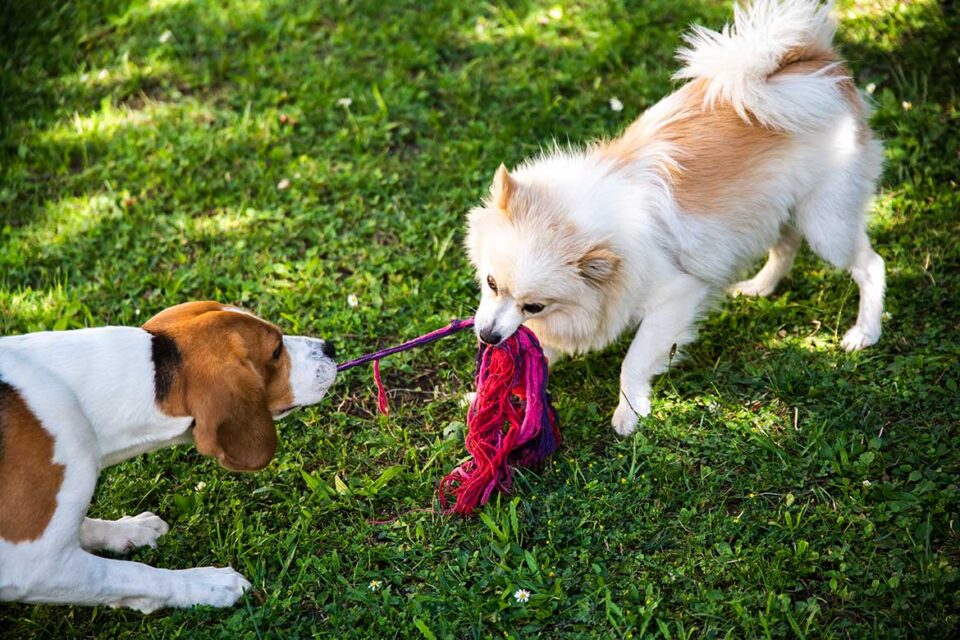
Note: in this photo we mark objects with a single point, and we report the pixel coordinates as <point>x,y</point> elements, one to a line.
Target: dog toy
<point>510,422</point>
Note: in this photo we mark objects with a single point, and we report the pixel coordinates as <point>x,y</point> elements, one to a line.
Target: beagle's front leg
<point>85,579</point>
<point>123,535</point>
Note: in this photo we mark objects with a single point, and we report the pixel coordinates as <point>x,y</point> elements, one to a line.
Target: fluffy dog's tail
<point>775,65</point>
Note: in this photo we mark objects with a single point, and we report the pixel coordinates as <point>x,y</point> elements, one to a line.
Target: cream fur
<point>766,145</point>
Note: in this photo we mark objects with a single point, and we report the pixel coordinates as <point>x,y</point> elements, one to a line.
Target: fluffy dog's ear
<point>233,422</point>
<point>599,265</point>
<point>503,188</point>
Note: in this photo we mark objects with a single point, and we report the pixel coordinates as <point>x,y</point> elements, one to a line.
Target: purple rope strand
<point>454,327</point>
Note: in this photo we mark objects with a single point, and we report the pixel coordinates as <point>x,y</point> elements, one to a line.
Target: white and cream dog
<point>766,145</point>
<point>74,402</point>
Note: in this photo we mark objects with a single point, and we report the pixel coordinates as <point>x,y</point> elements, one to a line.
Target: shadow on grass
<point>920,43</point>
<point>746,414</point>
<point>910,53</point>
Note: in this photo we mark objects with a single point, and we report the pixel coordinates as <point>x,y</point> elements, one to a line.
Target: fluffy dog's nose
<point>328,349</point>
<point>490,336</point>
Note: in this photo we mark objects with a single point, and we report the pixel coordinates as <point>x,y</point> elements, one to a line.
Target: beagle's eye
<point>533,308</point>
<point>278,351</point>
<point>492,284</point>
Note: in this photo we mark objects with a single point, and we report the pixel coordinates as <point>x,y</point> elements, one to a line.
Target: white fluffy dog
<point>766,144</point>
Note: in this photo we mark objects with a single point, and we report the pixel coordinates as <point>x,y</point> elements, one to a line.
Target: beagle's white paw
<point>213,586</point>
<point>123,535</point>
<point>210,586</point>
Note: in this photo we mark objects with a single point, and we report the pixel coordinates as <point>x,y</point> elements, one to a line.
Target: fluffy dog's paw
<point>859,338</point>
<point>624,420</point>
<point>752,288</point>
<point>213,586</point>
<point>627,414</point>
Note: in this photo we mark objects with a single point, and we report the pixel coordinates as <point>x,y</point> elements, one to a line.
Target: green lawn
<point>781,488</point>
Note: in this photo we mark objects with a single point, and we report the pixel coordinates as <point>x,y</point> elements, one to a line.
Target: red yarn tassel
<point>511,384</point>
<point>381,390</point>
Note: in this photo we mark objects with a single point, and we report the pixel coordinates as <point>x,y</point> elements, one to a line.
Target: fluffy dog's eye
<point>532,308</point>
<point>492,284</point>
<point>278,351</point>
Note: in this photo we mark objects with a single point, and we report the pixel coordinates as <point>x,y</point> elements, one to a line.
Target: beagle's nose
<point>490,336</point>
<point>328,349</point>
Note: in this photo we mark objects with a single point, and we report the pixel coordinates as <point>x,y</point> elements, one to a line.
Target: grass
<point>781,488</point>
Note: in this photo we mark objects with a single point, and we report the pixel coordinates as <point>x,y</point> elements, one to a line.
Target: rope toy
<point>511,382</point>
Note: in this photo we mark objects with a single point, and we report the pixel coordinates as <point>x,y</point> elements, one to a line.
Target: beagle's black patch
<point>166,363</point>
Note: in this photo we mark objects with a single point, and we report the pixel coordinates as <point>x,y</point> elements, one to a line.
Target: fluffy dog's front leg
<point>670,320</point>
<point>552,355</point>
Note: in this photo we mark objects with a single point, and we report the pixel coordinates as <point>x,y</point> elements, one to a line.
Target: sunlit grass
<point>100,126</point>
<point>36,308</point>
<point>903,18</point>
<point>69,218</point>
<point>313,162</point>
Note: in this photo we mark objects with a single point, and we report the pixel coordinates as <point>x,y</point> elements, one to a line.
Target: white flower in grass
<point>201,486</point>
<point>907,105</point>
<point>283,184</point>
<point>867,483</point>
<point>556,12</point>
<point>165,36</point>
<point>353,301</point>
<point>345,102</point>
<point>871,88</point>
<point>616,105</point>
<point>375,585</point>
<point>521,595</point>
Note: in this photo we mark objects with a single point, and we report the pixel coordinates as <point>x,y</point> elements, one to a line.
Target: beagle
<point>73,402</point>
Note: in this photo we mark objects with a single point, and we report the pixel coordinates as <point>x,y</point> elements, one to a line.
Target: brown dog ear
<point>599,265</point>
<point>233,422</point>
<point>503,188</point>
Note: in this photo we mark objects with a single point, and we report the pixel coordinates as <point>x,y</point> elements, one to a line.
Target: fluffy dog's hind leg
<point>868,272</point>
<point>778,264</point>
<point>833,221</point>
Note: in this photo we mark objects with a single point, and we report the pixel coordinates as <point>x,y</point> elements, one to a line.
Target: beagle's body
<point>74,402</point>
